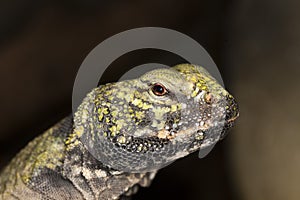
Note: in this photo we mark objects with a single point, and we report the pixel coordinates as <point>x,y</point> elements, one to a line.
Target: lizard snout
<point>232,110</point>
<point>232,113</point>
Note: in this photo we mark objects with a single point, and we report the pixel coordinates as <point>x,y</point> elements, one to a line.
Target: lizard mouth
<point>232,119</point>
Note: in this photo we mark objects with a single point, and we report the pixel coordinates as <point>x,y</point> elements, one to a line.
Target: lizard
<point>121,135</point>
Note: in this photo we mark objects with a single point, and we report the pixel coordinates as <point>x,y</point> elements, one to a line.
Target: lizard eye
<point>158,89</point>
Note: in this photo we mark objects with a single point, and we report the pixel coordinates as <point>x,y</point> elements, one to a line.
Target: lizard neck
<point>80,137</point>
<point>90,176</point>
<point>87,173</point>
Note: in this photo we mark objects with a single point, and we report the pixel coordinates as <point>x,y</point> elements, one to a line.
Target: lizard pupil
<point>158,89</point>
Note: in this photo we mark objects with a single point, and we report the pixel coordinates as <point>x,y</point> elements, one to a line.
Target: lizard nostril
<point>208,98</point>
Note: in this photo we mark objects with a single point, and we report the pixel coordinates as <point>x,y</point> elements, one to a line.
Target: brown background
<point>254,43</point>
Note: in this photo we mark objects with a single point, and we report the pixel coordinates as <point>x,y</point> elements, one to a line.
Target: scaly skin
<point>121,134</point>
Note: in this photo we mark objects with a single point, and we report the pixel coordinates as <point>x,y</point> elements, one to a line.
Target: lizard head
<point>146,123</point>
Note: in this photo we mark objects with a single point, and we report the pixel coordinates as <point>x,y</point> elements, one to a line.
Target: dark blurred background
<point>255,44</point>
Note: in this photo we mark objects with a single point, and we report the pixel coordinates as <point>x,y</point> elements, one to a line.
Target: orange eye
<point>158,89</point>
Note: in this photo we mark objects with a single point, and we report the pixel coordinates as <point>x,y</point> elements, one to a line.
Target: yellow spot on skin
<point>113,129</point>
<point>173,108</point>
<point>179,106</point>
<point>136,102</point>
<point>121,139</point>
<point>79,130</point>
<point>199,85</point>
<point>146,106</point>
<point>110,97</point>
<point>25,178</point>
<point>139,114</point>
<point>201,81</point>
<point>100,117</point>
<point>76,134</point>
<point>120,95</point>
<point>120,123</point>
<point>108,92</point>
<point>204,87</point>
<point>140,104</point>
<point>105,111</point>
<point>114,113</point>
<point>119,126</point>
<point>160,111</point>
<point>101,112</point>
<point>195,92</point>
<point>193,79</point>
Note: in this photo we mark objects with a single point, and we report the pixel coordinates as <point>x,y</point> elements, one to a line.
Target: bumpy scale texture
<point>120,135</point>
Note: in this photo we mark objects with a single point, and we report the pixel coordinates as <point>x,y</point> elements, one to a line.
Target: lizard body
<point>120,135</point>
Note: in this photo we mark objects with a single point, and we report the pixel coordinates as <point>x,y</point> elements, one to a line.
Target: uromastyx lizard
<point>120,135</point>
